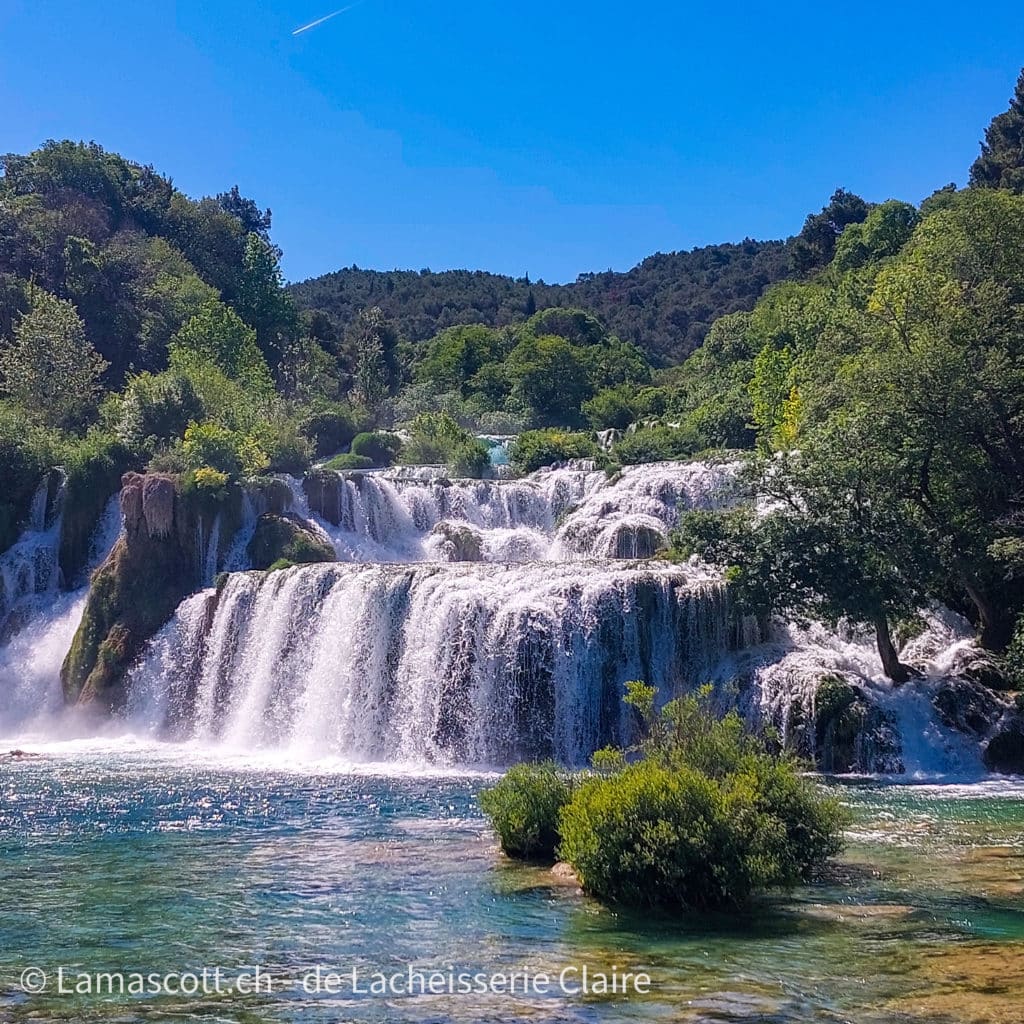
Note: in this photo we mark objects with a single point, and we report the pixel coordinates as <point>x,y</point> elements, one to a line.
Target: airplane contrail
<point>326,17</point>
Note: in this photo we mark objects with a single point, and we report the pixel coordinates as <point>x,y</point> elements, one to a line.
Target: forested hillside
<point>665,305</point>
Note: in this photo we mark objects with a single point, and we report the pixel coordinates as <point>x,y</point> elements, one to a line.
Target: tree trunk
<point>894,668</point>
<point>995,625</point>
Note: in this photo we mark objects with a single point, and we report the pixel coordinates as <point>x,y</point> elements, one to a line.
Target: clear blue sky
<point>542,137</point>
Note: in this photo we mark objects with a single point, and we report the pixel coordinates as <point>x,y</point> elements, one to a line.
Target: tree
<point>551,377</point>
<point>1001,164</point>
<point>50,369</point>
<point>254,220</point>
<point>835,543</point>
<point>218,336</point>
<point>814,247</point>
<point>262,301</point>
<point>373,343</point>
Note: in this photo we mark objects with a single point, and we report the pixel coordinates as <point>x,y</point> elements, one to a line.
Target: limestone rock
<point>287,538</point>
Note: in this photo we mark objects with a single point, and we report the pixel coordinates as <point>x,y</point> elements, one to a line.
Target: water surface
<point>153,859</point>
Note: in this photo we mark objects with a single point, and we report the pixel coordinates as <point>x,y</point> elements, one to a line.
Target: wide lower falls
<point>454,622</point>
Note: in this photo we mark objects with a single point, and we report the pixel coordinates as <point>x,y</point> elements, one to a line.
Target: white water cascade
<point>481,622</point>
<point>480,664</point>
<point>45,619</point>
<point>572,512</point>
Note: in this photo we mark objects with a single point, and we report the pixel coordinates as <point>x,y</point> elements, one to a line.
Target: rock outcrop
<point>286,538</point>
<point>153,566</point>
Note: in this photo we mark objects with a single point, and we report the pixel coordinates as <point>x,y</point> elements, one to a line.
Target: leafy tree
<point>814,247</point>
<point>550,376</point>
<point>50,369</point>
<point>217,336</point>
<point>1001,164</point>
<point>373,343</point>
<point>262,301</point>
<point>834,543</point>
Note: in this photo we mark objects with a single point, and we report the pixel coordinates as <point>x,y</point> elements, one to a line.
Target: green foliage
<point>216,336</point>
<point>524,807</point>
<point>344,462</point>
<point>1013,658</point>
<point>26,453</point>
<point>707,818</point>
<point>331,428</point>
<point>653,444</point>
<point>229,451</point>
<point>50,370</point>
<point>666,305</point>
<point>1001,164</point>
<point>155,410</point>
<point>814,247</point>
<point>373,343</point>
<point>612,408</point>
<point>381,448</point>
<point>437,438</point>
<point>537,448</point>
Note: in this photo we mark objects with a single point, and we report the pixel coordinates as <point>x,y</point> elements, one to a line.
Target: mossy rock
<point>152,568</point>
<point>286,538</point>
<point>269,494</point>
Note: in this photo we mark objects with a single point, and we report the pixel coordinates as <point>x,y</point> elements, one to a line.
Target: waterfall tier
<point>558,514</point>
<point>482,664</point>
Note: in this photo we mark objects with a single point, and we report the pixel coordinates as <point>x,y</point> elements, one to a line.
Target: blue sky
<point>542,138</point>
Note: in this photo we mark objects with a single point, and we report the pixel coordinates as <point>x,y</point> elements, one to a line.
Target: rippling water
<point>151,860</point>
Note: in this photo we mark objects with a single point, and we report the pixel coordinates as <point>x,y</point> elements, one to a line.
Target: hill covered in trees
<point>666,304</point>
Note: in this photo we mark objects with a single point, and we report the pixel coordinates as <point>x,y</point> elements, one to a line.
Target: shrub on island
<point>536,448</point>
<point>340,463</point>
<point>524,808</point>
<point>380,447</point>
<point>701,813</point>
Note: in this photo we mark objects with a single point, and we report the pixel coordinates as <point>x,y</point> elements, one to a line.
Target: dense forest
<point>665,305</point>
<point>880,388</point>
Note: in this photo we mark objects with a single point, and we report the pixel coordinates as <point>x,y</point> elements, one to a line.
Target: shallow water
<point>152,859</point>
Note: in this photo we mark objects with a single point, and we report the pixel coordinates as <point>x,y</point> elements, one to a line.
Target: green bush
<point>537,448</point>
<point>708,817</point>
<point>611,408</point>
<point>437,437</point>
<point>654,835</point>
<point>524,808</point>
<point>1013,657</point>
<point>342,462</point>
<point>381,448</point>
<point>286,448</point>
<point>156,409</point>
<point>330,428</point>
<point>26,453</point>
<point>653,444</point>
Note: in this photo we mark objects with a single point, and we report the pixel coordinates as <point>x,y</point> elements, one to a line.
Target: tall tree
<point>50,370</point>
<point>373,344</point>
<point>1001,164</point>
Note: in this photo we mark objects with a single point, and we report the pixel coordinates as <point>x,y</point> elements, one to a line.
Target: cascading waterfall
<point>30,569</point>
<point>558,514</point>
<point>30,660</point>
<point>483,621</point>
<point>481,664</point>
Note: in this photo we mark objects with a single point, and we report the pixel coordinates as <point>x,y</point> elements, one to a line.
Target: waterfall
<point>468,663</point>
<point>30,568</point>
<point>30,660</point>
<point>572,512</point>
<point>481,622</point>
